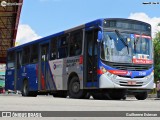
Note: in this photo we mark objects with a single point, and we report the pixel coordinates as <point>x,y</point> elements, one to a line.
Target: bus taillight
<point>81,59</point>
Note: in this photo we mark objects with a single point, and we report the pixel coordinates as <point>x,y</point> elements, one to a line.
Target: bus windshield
<point>114,49</point>
<point>142,47</point>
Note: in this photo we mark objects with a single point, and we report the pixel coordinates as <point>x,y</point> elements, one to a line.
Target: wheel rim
<point>75,87</point>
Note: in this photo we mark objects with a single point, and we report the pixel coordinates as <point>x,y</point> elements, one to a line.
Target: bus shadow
<point>157,99</point>
<point>104,99</point>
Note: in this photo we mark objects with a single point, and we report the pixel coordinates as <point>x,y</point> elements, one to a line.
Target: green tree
<point>156,42</point>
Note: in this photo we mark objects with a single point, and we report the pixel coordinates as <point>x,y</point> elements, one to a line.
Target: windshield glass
<point>114,49</point>
<point>142,47</point>
<point>123,49</point>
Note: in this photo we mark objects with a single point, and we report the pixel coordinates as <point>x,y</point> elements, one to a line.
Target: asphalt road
<point>14,102</point>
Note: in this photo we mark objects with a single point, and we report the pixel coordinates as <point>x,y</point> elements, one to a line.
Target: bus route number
<point>142,73</point>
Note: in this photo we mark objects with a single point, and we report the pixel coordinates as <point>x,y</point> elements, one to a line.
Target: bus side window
<point>43,57</point>
<point>92,43</point>
<point>26,55</point>
<point>90,40</point>
<point>75,43</point>
<point>53,51</point>
<point>11,60</point>
<point>62,47</point>
<point>34,53</point>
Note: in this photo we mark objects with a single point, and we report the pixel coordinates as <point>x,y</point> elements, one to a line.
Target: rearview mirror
<point>99,36</point>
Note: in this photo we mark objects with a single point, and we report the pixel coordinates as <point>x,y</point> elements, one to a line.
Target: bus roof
<point>87,25</point>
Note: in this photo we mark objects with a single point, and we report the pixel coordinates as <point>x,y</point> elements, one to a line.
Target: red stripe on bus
<point>99,72</point>
<point>42,78</point>
<point>142,61</point>
<point>143,36</point>
<point>42,81</point>
<point>118,72</point>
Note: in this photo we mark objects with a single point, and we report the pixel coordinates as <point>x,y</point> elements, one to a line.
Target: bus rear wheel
<point>74,90</point>
<point>141,95</point>
<point>26,92</point>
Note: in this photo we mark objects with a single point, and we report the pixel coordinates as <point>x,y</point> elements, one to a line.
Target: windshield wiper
<point>135,45</point>
<point>122,39</point>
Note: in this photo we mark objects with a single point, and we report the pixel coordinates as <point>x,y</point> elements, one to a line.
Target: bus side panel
<point>33,78</point>
<point>9,83</point>
<point>48,76</point>
<point>72,65</point>
<point>51,81</point>
<point>56,67</point>
<point>30,73</point>
<point>62,68</point>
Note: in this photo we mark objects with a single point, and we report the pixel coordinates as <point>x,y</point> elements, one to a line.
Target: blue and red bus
<point>105,58</point>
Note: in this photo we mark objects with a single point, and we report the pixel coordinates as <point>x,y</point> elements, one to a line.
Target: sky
<point>40,18</point>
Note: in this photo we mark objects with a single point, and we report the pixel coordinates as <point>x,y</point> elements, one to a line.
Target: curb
<point>152,95</point>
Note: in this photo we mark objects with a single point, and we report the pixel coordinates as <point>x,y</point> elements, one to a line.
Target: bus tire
<point>74,90</point>
<point>26,92</point>
<point>141,95</point>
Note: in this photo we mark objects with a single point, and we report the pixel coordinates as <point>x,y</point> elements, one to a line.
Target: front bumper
<point>123,82</point>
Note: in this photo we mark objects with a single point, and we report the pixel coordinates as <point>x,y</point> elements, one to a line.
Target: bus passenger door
<point>43,64</point>
<point>90,59</point>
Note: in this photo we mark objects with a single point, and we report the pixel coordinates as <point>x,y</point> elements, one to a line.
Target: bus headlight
<point>103,70</point>
<point>111,76</point>
<point>114,77</point>
<point>108,74</point>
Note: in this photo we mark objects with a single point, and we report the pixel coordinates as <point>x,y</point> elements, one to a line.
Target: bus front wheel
<point>74,90</point>
<point>141,95</point>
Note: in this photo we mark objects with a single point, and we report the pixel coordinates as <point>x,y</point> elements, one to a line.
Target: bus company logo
<point>4,4</point>
<point>57,66</point>
<point>132,36</point>
<point>54,66</point>
<point>129,73</point>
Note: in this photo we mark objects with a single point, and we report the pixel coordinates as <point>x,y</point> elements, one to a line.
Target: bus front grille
<point>125,83</point>
<point>131,85</point>
<point>130,76</point>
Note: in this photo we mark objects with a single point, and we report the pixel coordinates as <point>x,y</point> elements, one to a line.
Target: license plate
<point>131,82</point>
